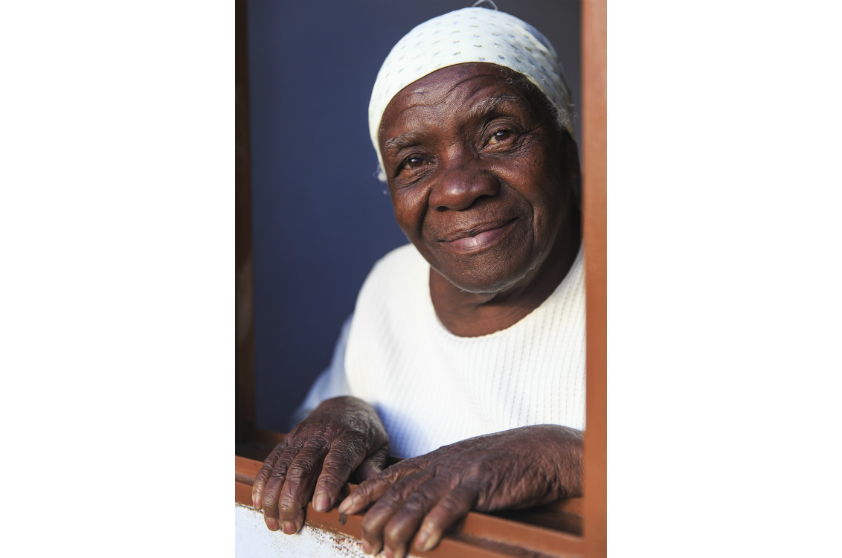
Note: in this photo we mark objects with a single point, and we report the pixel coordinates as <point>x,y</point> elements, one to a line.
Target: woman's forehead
<point>462,79</point>
<point>465,87</point>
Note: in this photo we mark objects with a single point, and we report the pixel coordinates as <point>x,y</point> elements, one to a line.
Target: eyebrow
<point>490,105</point>
<point>399,142</point>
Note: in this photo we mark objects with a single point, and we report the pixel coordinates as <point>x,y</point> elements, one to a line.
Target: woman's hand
<point>512,469</point>
<point>341,435</point>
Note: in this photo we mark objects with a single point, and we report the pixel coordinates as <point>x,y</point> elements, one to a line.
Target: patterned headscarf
<point>470,35</point>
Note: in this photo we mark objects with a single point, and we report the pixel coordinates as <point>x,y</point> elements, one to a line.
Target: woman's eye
<point>413,162</point>
<point>499,136</point>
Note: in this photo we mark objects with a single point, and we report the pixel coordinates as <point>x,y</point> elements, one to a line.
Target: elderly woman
<point>465,353</point>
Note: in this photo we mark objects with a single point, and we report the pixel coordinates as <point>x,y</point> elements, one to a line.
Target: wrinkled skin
<point>512,469</point>
<point>317,458</point>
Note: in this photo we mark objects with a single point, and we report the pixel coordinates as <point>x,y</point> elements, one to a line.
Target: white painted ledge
<point>254,540</point>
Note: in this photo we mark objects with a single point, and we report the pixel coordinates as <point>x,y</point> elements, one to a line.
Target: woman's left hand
<point>428,494</point>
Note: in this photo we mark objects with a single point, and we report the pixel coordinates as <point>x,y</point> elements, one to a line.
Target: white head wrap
<point>470,35</point>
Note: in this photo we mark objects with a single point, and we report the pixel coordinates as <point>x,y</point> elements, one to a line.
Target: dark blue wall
<point>321,219</point>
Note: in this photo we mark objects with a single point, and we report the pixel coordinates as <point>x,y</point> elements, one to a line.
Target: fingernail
<point>289,528</point>
<point>345,506</point>
<point>421,541</point>
<point>322,502</point>
<point>367,548</point>
<point>272,524</point>
<point>426,541</point>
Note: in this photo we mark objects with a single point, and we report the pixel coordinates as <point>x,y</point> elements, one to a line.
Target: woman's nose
<point>461,185</point>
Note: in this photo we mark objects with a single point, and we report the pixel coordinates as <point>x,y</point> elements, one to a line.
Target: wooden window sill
<point>547,531</point>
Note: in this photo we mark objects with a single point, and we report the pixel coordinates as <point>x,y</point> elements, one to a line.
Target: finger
<point>451,508</point>
<point>272,490</point>
<point>404,523</point>
<point>340,461</point>
<point>263,475</point>
<point>387,505</point>
<point>372,489</point>
<point>374,464</point>
<point>300,480</point>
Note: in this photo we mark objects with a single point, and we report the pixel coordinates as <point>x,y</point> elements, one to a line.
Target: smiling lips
<point>476,238</point>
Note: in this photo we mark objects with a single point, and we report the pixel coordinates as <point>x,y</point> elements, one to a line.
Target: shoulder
<point>397,286</point>
<point>400,256</point>
<point>390,304</point>
<point>398,269</point>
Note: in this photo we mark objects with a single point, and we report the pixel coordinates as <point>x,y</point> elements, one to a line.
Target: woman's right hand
<point>316,459</point>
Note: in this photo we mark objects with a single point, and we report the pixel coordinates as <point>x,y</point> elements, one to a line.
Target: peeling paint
<point>254,540</point>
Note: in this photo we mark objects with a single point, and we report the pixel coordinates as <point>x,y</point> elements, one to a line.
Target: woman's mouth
<point>476,238</point>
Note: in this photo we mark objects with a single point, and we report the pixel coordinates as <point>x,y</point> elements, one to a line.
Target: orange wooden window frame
<point>478,535</point>
<point>594,205</point>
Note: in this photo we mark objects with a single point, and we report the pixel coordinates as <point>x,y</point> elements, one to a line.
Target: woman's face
<point>479,176</point>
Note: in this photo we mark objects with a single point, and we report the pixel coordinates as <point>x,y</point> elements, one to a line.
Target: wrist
<point>563,455</point>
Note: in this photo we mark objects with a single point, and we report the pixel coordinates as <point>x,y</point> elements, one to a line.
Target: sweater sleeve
<point>332,382</point>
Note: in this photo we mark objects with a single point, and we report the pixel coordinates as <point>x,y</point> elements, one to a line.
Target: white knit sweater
<point>433,388</point>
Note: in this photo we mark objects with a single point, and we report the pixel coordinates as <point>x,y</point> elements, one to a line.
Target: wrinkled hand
<point>512,469</point>
<point>341,435</point>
